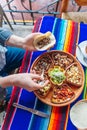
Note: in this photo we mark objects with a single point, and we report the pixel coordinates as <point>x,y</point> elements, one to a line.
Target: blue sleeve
<point>4,35</point>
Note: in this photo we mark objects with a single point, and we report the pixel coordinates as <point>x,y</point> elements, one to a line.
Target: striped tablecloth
<point>67,34</point>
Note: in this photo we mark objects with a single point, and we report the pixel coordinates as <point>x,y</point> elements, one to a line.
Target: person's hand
<point>28,41</point>
<point>27,81</point>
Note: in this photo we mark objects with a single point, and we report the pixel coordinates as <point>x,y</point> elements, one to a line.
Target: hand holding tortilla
<point>44,41</point>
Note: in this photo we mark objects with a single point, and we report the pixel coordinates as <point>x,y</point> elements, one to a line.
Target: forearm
<point>15,41</point>
<point>8,38</point>
<point>7,81</point>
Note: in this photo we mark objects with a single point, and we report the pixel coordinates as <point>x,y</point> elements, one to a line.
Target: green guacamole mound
<point>56,75</point>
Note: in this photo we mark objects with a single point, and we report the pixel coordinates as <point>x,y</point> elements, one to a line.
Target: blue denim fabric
<point>14,57</point>
<point>4,35</point>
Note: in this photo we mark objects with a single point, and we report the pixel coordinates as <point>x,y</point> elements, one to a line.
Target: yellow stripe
<point>67,39</point>
<point>67,116</point>
<point>20,21</point>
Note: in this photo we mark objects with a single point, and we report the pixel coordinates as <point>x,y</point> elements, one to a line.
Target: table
<point>67,34</point>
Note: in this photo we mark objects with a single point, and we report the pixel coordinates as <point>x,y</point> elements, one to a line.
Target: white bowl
<point>84,48</point>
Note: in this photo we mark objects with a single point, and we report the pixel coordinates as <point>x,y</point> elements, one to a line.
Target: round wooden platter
<point>77,90</point>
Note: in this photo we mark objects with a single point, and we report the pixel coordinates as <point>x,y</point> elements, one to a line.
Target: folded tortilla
<point>40,41</point>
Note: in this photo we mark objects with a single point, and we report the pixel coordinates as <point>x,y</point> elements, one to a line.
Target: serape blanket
<point>67,34</point>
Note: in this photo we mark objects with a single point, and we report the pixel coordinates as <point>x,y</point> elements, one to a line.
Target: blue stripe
<point>61,36</point>
<point>40,123</point>
<point>59,31</point>
<point>47,24</point>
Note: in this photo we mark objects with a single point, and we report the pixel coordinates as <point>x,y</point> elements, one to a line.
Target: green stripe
<point>85,84</point>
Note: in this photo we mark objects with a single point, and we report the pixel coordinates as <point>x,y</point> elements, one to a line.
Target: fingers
<point>36,76</point>
<point>45,83</point>
<point>40,85</point>
<point>34,35</point>
<point>34,82</point>
<point>37,33</point>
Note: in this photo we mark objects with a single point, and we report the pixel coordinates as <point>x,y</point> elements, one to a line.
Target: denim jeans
<point>14,57</point>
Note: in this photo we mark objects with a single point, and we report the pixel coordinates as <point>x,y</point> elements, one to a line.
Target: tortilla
<point>44,41</point>
<point>78,114</point>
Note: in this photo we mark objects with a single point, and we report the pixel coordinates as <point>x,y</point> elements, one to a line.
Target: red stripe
<point>55,119</point>
<point>36,25</point>
<point>71,38</point>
